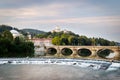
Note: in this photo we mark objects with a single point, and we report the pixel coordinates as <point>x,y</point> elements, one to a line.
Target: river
<point>53,72</point>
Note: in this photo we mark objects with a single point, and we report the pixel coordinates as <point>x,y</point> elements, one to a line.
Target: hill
<point>33,32</point>
<point>5,27</point>
<point>62,38</point>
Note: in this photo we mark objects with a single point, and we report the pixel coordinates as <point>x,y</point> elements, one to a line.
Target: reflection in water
<point>53,72</point>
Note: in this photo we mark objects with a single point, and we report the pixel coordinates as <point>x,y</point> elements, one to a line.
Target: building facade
<point>40,44</point>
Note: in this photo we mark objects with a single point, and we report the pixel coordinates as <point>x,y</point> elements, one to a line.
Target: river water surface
<point>53,72</point>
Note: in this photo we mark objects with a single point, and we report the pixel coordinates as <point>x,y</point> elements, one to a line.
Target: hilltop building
<point>58,29</point>
<point>66,31</point>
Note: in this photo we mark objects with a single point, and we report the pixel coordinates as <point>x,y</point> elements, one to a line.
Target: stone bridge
<point>91,52</point>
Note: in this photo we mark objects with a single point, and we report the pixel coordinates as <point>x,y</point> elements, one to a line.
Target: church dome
<point>15,33</point>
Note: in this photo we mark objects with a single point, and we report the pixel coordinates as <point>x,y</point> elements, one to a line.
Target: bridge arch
<point>83,52</point>
<point>78,52</point>
<point>106,53</point>
<point>66,51</point>
<point>51,51</point>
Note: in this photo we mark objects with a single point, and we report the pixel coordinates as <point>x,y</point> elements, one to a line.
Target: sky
<point>92,18</point>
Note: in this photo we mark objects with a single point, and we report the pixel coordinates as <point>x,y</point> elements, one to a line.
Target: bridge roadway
<point>93,51</point>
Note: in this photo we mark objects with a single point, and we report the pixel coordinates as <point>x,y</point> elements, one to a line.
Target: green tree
<point>112,43</point>
<point>8,35</point>
<point>82,40</point>
<point>64,41</point>
<point>4,47</point>
<point>56,41</point>
<point>70,39</point>
<point>17,41</point>
<point>93,41</point>
<point>73,40</point>
<point>27,49</point>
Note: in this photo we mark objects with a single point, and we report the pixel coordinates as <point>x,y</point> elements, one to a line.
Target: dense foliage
<point>17,47</point>
<point>61,38</point>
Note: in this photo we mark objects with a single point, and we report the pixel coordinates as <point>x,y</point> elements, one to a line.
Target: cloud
<point>41,8</point>
<point>51,12</point>
<point>30,12</point>
<point>84,20</point>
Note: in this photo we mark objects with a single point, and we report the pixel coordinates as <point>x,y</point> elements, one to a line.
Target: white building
<point>57,29</point>
<point>42,41</point>
<point>15,33</point>
<point>66,31</point>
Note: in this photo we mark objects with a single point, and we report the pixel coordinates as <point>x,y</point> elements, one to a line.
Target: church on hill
<point>58,29</point>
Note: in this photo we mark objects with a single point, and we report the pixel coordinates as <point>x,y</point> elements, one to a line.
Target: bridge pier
<point>94,54</point>
<point>58,52</point>
<point>74,54</point>
<point>117,55</point>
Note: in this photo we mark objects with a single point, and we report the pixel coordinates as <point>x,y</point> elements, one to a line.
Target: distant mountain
<point>33,31</point>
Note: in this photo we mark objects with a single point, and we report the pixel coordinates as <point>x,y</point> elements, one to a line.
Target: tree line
<point>61,38</point>
<point>15,47</point>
